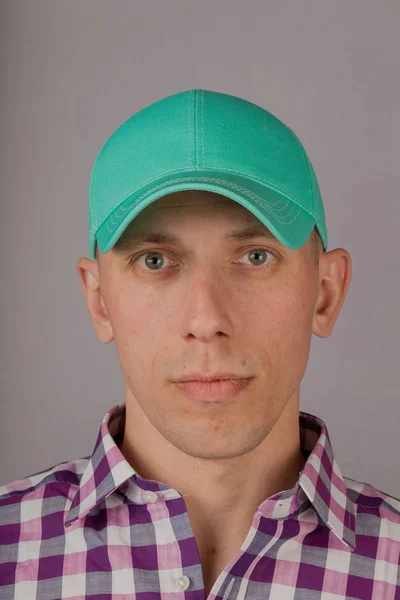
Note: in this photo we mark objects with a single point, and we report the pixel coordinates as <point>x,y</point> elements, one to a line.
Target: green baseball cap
<point>205,140</point>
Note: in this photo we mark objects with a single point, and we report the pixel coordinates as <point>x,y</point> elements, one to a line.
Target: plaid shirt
<point>94,528</point>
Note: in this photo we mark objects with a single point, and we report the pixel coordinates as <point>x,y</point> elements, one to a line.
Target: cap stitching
<point>255,178</point>
<point>311,178</point>
<point>94,171</point>
<point>304,155</point>
<point>222,170</point>
<point>189,130</point>
<point>258,199</point>
<point>202,125</point>
<point>247,192</point>
<point>210,179</point>
<point>91,189</point>
<point>196,166</point>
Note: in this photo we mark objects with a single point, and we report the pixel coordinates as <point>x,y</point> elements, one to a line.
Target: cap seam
<point>94,169</point>
<point>196,166</point>
<point>91,188</point>
<point>312,180</point>
<point>202,125</point>
<point>189,130</point>
<point>303,154</point>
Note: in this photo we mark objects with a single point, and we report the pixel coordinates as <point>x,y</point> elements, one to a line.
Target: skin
<point>209,307</point>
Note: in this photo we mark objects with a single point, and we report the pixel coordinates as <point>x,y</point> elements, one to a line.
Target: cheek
<point>278,323</point>
<point>140,323</point>
<point>276,310</point>
<point>294,332</point>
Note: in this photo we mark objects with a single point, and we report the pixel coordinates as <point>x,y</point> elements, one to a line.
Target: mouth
<point>210,378</point>
<point>217,390</point>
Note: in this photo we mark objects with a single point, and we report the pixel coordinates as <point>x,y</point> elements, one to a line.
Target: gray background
<point>72,72</point>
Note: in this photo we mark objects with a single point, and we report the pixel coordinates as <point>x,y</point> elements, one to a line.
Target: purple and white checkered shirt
<point>94,528</point>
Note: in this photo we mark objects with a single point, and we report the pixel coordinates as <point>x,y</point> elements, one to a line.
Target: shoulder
<point>376,507</point>
<point>365,494</point>
<point>60,477</point>
<point>32,506</point>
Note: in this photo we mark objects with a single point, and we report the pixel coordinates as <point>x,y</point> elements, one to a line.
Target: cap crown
<point>201,130</point>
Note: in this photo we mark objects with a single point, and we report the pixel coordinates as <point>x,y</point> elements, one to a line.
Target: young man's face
<point>209,305</point>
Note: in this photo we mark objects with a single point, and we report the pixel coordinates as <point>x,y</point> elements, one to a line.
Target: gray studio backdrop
<point>71,72</point>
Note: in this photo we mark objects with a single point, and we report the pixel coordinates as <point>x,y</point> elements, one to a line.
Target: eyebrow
<point>152,236</point>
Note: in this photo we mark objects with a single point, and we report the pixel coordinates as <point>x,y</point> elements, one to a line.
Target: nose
<point>205,306</point>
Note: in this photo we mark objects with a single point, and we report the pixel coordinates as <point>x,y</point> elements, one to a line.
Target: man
<point>209,270</point>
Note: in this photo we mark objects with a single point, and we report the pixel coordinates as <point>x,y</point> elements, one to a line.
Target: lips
<point>206,378</point>
<point>212,391</point>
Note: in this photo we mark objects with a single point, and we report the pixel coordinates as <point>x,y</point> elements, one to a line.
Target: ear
<point>88,272</point>
<point>334,279</point>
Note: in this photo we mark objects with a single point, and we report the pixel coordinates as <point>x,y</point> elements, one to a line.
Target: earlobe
<point>90,281</point>
<point>334,276</point>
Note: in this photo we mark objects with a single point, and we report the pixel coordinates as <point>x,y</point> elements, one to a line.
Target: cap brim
<point>284,217</point>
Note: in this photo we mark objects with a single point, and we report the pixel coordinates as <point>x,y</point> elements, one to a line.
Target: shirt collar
<point>320,482</point>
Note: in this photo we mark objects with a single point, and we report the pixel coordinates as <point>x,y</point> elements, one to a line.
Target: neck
<point>215,490</point>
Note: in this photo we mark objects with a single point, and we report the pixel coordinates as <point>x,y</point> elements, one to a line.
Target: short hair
<point>317,246</point>
<point>315,243</point>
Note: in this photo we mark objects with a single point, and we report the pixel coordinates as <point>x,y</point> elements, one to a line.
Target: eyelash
<point>135,257</point>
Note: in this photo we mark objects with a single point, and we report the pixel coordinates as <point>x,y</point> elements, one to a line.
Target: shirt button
<point>182,583</point>
<point>149,497</point>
